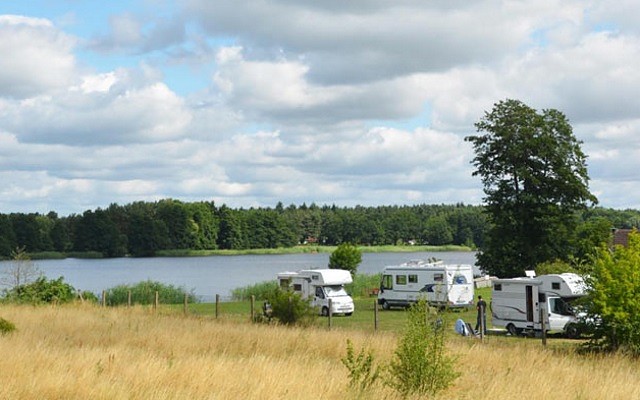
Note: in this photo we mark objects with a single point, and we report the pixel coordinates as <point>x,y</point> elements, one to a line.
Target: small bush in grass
<point>363,373</point>
<point>421,365</point>
<point>290,308</point>
<point>144,293</point>
<point>6,326</point>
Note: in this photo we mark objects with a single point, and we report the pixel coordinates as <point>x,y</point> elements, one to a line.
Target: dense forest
<point>144,228</point>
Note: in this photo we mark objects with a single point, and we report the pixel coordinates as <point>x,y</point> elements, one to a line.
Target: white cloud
<point>101,113</point>
<point>37,57</point>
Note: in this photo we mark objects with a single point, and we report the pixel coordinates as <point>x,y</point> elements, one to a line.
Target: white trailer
<point>439,284</point>
<point>320,286</point>
<point>516,303</point>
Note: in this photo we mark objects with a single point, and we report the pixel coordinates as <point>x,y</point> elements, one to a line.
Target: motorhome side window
<point>413,278</point>
<point>438,277</point>
<point>497,287</point>
<point>555,285</point>
<point>297,287</point>
<point>401,279</point>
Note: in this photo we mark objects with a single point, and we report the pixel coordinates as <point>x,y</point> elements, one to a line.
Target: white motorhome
<point>320,286</point>
<point>439,284</point>
<point>516,303</point>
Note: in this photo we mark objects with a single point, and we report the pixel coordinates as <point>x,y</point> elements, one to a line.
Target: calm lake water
<point>208,276</point>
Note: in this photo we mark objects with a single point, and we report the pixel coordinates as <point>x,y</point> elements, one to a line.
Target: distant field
<point>81,351</point>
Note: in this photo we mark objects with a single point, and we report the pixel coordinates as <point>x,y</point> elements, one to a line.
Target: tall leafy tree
<point>535,179</point>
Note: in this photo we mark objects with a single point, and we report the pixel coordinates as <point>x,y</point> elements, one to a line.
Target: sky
<point>253,102</point>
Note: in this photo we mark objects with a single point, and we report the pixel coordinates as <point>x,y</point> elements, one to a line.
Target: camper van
<point>516,303</point>
<point>320,286</point>
<point>439,284</point>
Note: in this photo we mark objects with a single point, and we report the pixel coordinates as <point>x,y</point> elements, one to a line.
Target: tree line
<point>144,228</point>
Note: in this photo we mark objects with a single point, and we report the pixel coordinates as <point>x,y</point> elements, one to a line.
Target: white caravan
<point>439,284</point>
<point>516,303</point>
<point>320,286</point>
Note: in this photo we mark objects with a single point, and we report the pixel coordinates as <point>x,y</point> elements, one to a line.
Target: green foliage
<point>362,284</point>
<point>363,373</point>
<point>144,293</point>
<point>260,290</point>
<point>6,326</point>
<point>554,267</point>
<point>346,256</point>
<point>590,236</point>
<point>535,179</point>
<point>290,308</point>
<point>420,365</point>
<point>614,300</point>
<point>41,291</point>
<point>200,228</point>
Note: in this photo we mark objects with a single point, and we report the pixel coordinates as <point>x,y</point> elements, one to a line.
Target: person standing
<point>481,321</point>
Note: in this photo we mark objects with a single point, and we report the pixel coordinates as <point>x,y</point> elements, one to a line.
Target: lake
<point>213,275</point>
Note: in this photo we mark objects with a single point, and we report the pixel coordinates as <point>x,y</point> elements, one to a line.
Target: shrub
<point>260,290</point>
<point>42,291</point>
<point>362,284</point>
<point>6,326</point>
<point>614,286</point>
<point>290,308</point>
<point>346,256</point>
<point>420,365</point>
<point>363,373</point>
<point>144,293</point>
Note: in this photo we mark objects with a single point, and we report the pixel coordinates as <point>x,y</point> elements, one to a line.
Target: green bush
<point>420,365</point>
<point>145,293</point>
<point>260,290</point>
<point>363,373</point>
<point>41,291</point>
<point>290,308</point>
<point>346,256</point>
<point>6,326</point>
<point>362,284</point>
<point>614,284</point>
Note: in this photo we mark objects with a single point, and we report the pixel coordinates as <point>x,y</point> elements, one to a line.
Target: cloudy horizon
<point>252,102</point>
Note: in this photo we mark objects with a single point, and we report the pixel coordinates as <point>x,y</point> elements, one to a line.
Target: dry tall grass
<point>89,352</point>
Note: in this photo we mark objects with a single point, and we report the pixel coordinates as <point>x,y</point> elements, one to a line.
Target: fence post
<point>156,301</point>
<point>104,298</point>
<point>253,303</point>
<point>217,304</point>
<point>129,298</point>
<point>375,315</point>
<point>186,303</point>
<point>330,313</point>
<point>542,325</point>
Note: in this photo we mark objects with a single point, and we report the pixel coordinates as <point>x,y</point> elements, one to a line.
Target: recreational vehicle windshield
<point>439,284</point>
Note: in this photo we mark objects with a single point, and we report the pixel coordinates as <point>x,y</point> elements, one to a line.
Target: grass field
<point>86,351</point>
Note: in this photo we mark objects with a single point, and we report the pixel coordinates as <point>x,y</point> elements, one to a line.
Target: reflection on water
<point>208,276</point>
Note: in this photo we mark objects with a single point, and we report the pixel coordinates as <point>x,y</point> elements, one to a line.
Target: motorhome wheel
<point>386,305</point>
<point>325,311</point>
<point>513,331</point>
<point>572,331</point>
